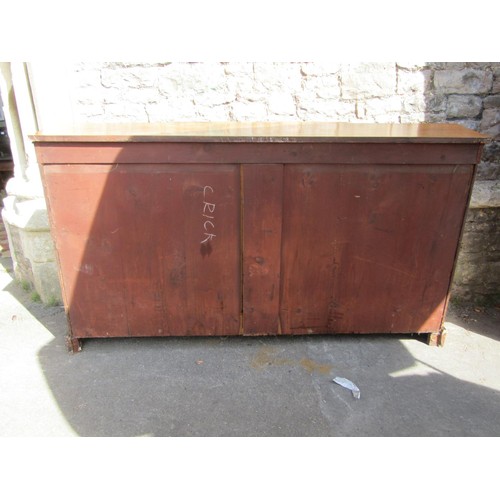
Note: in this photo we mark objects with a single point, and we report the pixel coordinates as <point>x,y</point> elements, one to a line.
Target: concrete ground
<point>258,386</point>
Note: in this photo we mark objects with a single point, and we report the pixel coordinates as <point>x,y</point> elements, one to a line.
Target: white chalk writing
<point>208,210</point>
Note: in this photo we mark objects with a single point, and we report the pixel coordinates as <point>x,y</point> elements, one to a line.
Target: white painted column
<point>25,211</point>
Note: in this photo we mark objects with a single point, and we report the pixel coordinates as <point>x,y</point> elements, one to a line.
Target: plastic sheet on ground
<point>348,385</point>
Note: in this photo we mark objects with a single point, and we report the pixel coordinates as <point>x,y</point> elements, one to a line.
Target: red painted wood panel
<point>369,248</point>
<point>292,152</point>
<point>83,229</point>
<point>148,250</point>
<point>262,210</point>
<point>255,237</point>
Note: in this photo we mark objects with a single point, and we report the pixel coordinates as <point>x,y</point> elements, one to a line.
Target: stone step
<point>4,241</point>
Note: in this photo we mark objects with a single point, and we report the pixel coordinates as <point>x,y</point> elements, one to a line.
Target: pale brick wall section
<point>465,93</point>
<point>230,91</point>
<point>114,92</point>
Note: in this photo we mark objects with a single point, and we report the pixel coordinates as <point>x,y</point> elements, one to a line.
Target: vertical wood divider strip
<point>242,246</point>
<point>261,227</point>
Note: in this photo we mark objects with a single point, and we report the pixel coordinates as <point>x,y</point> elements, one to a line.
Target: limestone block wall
<point>478,269</point>
<point>389,92</point>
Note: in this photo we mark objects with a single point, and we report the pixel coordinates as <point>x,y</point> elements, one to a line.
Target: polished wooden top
<point>263,132</point>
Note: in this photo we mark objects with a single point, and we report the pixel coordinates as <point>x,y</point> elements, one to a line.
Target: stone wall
<point>397,92</point>
<point>478,269</point>
<point>252,91</point>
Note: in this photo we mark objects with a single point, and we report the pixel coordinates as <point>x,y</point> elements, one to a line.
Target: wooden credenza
<point>257,228</point>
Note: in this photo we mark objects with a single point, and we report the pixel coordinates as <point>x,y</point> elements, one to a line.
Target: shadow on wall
<point>6,162</point>
<point>469,94</point>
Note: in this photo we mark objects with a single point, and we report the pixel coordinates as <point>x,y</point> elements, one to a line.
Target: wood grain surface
<point>131,252</point>
<point>261,132</point>
<point>369,248</point>
<point>261,235</point>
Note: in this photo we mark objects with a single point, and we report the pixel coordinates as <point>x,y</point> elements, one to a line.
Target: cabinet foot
<point>74,345</point>
<point>437,339</point>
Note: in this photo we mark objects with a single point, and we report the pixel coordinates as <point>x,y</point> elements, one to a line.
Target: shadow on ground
<point>268,386</point>
<point>485,321</point>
